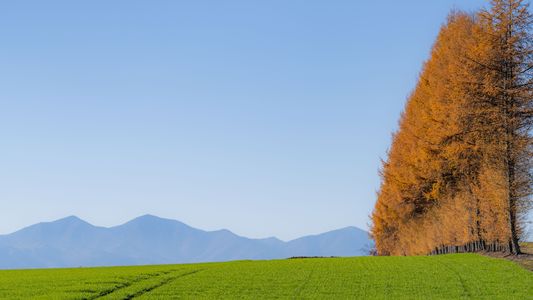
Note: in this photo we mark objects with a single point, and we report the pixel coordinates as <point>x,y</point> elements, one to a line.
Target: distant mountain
<point>72,242</point>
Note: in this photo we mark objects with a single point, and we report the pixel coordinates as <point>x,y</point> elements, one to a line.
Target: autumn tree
<point>458,174</point>
<point>506,100</point>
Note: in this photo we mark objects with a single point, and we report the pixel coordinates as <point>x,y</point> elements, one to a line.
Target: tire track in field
<point>160,284</point>
<point>302,286</point>
<point>461,280</point>
<point>140,278</point>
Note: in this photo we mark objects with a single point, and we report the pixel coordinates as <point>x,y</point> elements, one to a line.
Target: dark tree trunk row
<point>475,246</point>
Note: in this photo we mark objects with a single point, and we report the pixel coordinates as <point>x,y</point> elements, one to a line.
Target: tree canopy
<point>458,173</point>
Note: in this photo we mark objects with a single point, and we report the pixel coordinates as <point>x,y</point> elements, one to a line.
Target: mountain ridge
<point>148,239</point>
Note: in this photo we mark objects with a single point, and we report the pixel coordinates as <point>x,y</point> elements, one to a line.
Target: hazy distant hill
<point>72,242</point>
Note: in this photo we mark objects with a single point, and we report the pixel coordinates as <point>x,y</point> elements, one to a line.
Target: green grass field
<point>460,276</point>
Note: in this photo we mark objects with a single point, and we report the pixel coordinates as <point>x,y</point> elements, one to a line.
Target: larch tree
<point>504,104</point>
<point>458,174</point>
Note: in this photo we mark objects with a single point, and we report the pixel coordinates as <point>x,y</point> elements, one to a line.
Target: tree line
<point>458,174</point>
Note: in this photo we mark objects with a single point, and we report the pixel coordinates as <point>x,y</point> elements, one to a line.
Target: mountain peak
<point>148,217</point>
<point>151,221</point>
<point>70,220</point>
<point>151,218</point>
<point>352,228</point>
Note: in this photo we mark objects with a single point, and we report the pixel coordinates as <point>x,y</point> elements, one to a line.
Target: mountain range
<point>72,242</point>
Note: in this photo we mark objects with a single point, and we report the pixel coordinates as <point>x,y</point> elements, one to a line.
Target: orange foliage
<point>458,171</point>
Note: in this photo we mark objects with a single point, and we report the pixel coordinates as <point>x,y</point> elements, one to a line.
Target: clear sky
<point>268,118</point>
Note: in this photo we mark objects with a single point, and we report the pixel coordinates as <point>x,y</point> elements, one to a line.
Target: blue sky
<point>268,118</point>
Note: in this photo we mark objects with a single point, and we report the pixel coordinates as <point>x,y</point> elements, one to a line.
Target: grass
<point>459,276</point>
